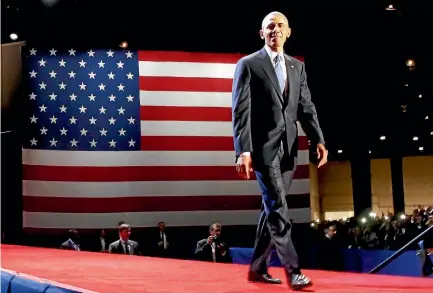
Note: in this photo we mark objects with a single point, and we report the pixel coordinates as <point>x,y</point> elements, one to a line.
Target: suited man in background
<point>72,242</point>
<point>162,244</point>
<point>270,93</point>
<point>124,245</point>
<point>213,248</point>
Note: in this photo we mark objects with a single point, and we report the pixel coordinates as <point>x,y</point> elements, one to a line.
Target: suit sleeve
<point>202,249</point>
<point>241,108</point>
<point>307,114</point>
<point>137,250</point>
<point>111,248</point>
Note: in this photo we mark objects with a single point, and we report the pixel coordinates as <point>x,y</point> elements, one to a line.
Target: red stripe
<point>150,203</point>
<point>197,143</point>
<point>158,56</point>
<point>163,113</point>
<point>138,173</point>
<point>186,143</point>
<point>185,84</point>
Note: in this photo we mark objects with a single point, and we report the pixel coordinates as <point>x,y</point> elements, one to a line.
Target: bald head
<point>275,30</point>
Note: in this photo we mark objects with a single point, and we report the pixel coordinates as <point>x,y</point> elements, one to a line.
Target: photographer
<point>213,248</point>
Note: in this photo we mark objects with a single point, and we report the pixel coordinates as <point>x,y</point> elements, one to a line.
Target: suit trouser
<point>274,227</point>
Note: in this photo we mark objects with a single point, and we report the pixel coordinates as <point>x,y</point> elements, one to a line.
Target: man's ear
<point>289,32</point>
<point>262,35</point>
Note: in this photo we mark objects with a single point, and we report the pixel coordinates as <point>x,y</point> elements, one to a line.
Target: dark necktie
<point>126,248</point>
<point>279,72</point>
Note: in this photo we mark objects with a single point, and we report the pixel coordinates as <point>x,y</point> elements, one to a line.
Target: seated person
<point>124,245</point>
<point>213,248</point>
<point>72,242</point>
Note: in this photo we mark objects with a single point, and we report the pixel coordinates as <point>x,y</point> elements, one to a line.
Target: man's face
<point>275,31</point>
<point>124,233</point>
<point>216,232</point>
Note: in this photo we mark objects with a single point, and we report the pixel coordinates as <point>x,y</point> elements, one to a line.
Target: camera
<point>216,239</point>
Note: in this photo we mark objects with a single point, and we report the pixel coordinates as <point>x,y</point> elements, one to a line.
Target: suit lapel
<point>270,72</point>
<point>290,68</point>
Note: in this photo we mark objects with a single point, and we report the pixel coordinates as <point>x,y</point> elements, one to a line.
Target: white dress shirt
<point>164,239</point>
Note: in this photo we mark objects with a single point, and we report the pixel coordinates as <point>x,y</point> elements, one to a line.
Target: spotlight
<point>13,36</point>
<point>123,45</point>
<point>390,8</point>
<point>411,64</point>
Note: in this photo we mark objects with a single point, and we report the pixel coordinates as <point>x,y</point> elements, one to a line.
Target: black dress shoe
<point>262,278</point>
<point>299,281</point>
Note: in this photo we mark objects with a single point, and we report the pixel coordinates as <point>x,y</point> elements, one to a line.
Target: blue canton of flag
<point>82,100</point>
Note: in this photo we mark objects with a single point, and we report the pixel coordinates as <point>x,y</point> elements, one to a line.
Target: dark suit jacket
<point>69,245</point>
<point>117,248</point>
<point>203,252</point>
<point>261,113</point>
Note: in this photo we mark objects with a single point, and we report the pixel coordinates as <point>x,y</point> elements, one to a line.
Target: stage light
<point>420,96</point>
<point>13,36</point>
<point>426,117</point>
<point>363,220</point>
<point>431,133</point>
<point>340,151</point>
<point>312,224</point>
<point>406,84</point>
<point>403,108</point>
<point>390,8</point>
<point>317,221</point>
<point>410,63</point>
<point>124,45</point>
<point>403,216</point>
<point>372,215</point>
<point>421,148</point>
<point>369,151</point>
<point>383,137</point>
<point>386,218</point>
<point>415,138</point>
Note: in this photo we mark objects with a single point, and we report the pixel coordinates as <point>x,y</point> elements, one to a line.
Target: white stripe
<point>150,188</point>
<point>150,219</point>
<point>187,69</point>
<point>190,128</point>
<point>187,99</point>
<point>136,158</point>
<point>186,128</point>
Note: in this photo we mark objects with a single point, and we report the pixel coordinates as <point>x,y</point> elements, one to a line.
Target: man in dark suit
<point>213,248</point>
<point>124,245</point>
<point>162,244</point>
<point>270,93</point>
<point>72,242</point>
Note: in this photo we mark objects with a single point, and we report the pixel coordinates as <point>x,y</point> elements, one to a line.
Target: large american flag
<point>138,136</point>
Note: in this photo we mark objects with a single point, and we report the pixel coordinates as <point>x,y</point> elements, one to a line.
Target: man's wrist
<point>245,154</point>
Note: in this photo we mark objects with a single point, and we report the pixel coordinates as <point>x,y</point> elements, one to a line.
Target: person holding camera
<point>213,249</point>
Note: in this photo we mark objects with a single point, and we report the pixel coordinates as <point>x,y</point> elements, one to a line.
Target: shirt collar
<point>273,54</point>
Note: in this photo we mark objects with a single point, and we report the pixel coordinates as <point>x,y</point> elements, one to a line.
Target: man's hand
<point>244,166</point>
<point>322,154</point>
<point>210,240</point>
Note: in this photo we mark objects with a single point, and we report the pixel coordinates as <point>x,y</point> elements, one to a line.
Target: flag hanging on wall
<point>138,136</point>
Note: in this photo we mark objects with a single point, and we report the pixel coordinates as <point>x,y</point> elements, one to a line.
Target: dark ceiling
<point>355,54</point>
